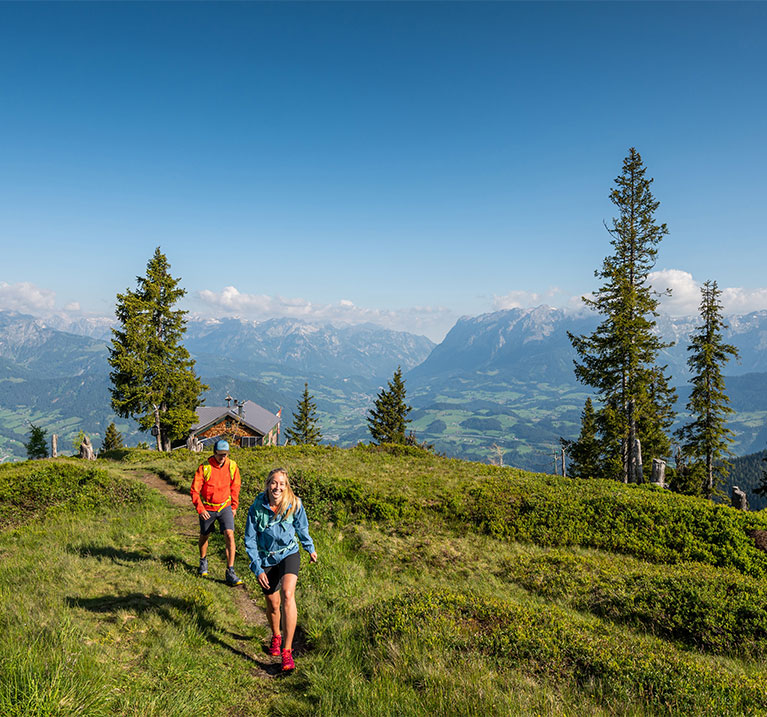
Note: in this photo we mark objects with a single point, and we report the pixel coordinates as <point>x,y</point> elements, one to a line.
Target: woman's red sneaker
<point>287,661</point>
<point>274,648</point>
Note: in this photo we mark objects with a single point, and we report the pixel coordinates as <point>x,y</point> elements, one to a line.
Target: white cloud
<point>72,306</point>
<point>685,294</point>
<point>524,299</point>
<point>685,291</point>
<point>25,297</point>
<point>428,320</point>
<point>736,300</point>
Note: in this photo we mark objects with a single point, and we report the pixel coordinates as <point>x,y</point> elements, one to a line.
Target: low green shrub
<point>707,608</point>
<point>563,646</point>
<point>653,525</point>
<point>34,486</point>
<point>405,482</point>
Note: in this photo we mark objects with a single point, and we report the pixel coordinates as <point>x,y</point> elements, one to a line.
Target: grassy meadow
<point>443,587</point>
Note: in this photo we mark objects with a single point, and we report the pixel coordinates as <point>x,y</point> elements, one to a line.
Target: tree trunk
<point>157,427</point>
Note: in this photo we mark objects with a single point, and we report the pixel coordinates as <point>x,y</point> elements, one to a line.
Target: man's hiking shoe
<point>287,661</point>
<point>231,578</point>
<point>203,569</point>
<point>274,648</point>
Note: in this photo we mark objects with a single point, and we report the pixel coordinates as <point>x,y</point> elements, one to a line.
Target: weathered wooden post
<point>54,445</point>
<point>86,450</point>
<point>739,498</point>
<point>658,475</point>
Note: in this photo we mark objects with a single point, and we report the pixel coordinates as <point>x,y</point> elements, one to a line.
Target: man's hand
<point>263,581</point>
<point>205,515</point>
<point>313,557</point>
<point>234,512</point>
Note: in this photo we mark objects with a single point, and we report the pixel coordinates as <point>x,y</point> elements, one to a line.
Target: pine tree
<point>38,443</point>
<point>305,429</point>
<point>706,438</point>
<point>113,439</point>
<point>153,379</point>
<point>619,358</point>
<point>761,489</point>
<point>387,420</point>
<point>584,453</point>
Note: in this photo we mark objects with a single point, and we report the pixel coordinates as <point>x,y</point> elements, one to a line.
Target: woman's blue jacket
<point>270,538</point>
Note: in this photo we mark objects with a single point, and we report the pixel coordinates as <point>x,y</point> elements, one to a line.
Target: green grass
<point>443,587</point>
<point>117,621</point>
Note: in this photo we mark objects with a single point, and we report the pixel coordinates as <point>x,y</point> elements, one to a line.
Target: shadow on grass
<point>119,556</point>
<point>141,604</point>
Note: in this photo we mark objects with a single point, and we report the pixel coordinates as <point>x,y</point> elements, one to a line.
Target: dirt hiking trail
<point>265,665</point>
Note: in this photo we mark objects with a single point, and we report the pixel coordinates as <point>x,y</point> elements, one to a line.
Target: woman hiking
<point>275,525</point>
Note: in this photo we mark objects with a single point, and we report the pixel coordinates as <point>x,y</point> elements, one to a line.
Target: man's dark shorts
<point>289,564</point>
<point>225,519</point>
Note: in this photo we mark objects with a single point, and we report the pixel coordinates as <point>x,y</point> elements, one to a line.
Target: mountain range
<point>502,378</point>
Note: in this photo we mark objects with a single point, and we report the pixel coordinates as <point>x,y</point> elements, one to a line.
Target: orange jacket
<point>215,493</point>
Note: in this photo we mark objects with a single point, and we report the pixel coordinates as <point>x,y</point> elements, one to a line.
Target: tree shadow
<point>141,604</point>
<point>120,556</point>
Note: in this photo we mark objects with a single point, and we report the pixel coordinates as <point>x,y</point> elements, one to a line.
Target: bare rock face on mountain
<point>86,450</point>
<point>341,351</point>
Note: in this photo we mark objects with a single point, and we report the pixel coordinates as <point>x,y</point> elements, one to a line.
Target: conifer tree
<point>305,429</point>
<point>761,488</point>
<point>38,443</point>
<point>388,420</point>
<point>584,453</point>
<point>619,359</point>
<point>706,438</point>
<point>113,439</point>
<point>153,379</point>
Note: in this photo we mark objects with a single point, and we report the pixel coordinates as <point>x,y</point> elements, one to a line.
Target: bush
<point>703,607</point>
<point>561,646</point>
<point>29,488</point>
<point>635,520</point>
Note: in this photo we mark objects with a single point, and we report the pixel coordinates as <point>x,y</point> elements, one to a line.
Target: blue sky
<point>403,163</point>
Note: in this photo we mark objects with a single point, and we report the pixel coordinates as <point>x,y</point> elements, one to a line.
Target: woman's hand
<point>263,581</point>
<point>313,557</point>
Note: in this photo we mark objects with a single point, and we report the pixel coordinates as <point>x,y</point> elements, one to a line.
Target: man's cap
<point>221,446</point>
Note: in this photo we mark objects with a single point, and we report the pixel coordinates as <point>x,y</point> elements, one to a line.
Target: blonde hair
<point>290,501</point>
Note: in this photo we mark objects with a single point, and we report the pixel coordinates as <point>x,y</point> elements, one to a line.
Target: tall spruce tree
<point>305,429</point>
<point>706,438</point>
<point>388,420</point>
<point>38,443</point>
<point>619,359</point>
<point>113,439</point>
<point>153,379</point>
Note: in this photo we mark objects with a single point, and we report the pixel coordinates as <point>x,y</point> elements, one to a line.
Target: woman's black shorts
<point>289,564</point>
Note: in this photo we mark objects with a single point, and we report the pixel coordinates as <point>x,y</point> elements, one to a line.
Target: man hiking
<point>216,494</point>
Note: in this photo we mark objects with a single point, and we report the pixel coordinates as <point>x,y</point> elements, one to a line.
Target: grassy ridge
<point>27,489</point>
<point>716,611</point>
<point>561,645</point>
<point>422,602</point>
<point>100,607</point>
<point>404,483</point>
